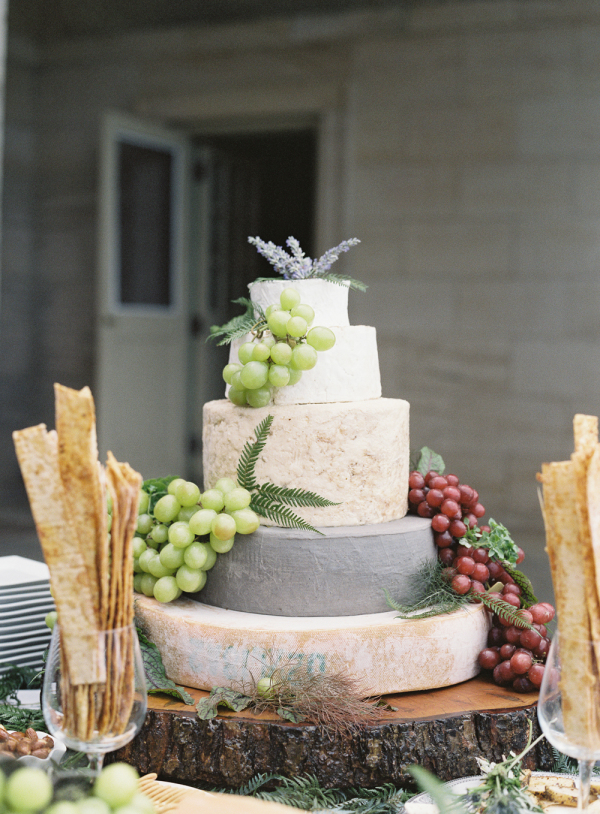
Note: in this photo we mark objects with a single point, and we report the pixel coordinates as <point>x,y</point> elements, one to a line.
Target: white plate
<point>27,699</point>
<point>24,639</point>
<point>37,648</point>
<point>25,602</point>
<point>16,570</point>
<point>26,626</point>
<point>55,754</point>
<point>37,591</point>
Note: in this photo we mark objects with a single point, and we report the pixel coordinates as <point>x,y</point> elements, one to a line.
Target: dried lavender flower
<point>296,266</point>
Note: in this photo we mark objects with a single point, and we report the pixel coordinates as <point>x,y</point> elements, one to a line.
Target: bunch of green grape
<point>179,540</point>
<point>277,355</point>
<point>29,790</point>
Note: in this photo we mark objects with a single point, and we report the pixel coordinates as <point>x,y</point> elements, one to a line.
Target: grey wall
<point>469,157</point>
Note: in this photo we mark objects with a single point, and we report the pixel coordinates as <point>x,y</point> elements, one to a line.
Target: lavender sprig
<point>296,266</point>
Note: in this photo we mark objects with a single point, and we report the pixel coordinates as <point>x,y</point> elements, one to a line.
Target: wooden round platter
<point>445,730</point>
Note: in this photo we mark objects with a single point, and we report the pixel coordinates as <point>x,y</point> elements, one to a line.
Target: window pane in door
<point>145,221</point>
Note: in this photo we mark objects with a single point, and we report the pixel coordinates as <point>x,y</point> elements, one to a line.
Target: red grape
<point>416,496</point>
<point>541,651</point>
<point>511,588</point>
<point>416,480</point>
<point>450,508</point>
<point>480,555</point>
<point>466,494</point>
<point>463,550</point>
<point>431,474</point>
<point>438,482</point>
<point>434,497</point>
<point>425,510</point>
<point>535,674</point>
<point>530,639</point>
<point>457,528</point>
<point>481,572</point>
<point>512,634</point>
<point>520,555</point>
<point>477,587</point>
<point>452,493</point>
<point>506,651</point>
<point>511,599</point>
<point>520,662</point>
<point>444,539</point>
<point>446,555</point>
<point>551,611</point>
<point>470,520</point>
<point>495,637</point>
<point>506,672</point>
<point>440,523</point>
<point>488,659</point>
<point>523,684</point>
<point>478,510</point>
<point>452,480</point>
<point>465,565</point>
<point>484,528</point>
<point>495,569</point>
<point>461,584</point>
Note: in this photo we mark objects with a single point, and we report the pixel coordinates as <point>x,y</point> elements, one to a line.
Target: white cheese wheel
<point>347,372</point>
<point>328,300</point>
<point>207,647</point>
<point>356,454</point>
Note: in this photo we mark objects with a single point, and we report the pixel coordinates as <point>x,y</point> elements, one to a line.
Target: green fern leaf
<point>252,320</point>
<point>340,279</point>
<point>528,597</point>
<point>500,607</point>
<point>292,497</point>
<point>279,514</point>
<point>249,456</point>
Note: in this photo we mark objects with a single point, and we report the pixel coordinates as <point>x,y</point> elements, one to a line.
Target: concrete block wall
<point>469,153</point>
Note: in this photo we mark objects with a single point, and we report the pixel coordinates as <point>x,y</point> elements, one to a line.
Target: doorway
<point>244,184</point>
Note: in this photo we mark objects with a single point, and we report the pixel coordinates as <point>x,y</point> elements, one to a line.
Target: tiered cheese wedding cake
<point>283,592</point>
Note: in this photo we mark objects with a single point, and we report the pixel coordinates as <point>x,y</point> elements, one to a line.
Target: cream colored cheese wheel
<point>204,647</point>
<point>356,454</point>
<point>329,301</point>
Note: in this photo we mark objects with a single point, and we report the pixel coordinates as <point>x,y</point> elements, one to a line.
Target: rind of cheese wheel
<point>207,647</point>
<point>355,453</point>
<point>328,300</point>
<point>349,371</point>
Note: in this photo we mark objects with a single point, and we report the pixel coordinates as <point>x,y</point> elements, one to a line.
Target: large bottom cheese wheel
<point>344,571</point>
<point>204,647</point>
<point>355,454</point>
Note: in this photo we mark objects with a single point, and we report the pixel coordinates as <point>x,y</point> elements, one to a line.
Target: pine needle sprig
<point>292,497</point>
<point>433,594</point>
<point>246,475</point>
<point>280,514</point>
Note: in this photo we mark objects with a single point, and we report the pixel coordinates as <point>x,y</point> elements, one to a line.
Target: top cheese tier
<point>347,372</point>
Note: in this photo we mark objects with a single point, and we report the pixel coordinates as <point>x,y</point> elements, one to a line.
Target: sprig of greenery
<point>340,279</point>
<point>426,460</point>
<point>246,475</point>
<point>504,609</point>
<point>498,541</point>
<point>292,497</point>
<point>527,597</point>
<point>154,669</point>
<point>433,594</point>
<point>279,513</point>
<point>156,488</point>
<point>19,719</point>
<point>253,319</point>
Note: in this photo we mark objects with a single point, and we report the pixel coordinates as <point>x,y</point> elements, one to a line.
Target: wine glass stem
<point>96,759</point>
<point>585,779</point>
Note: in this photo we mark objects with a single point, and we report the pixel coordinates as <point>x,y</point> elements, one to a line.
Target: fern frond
<point>292,497</point>
<point>252,786</point>
<point>528,597</point>
<point>279,514</point>
<point>246,475</point>
<point>339,279</point>
<point>502,608</point>
<point>253,319</point>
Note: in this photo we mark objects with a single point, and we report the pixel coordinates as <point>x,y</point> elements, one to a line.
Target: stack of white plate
<point>25,600</point>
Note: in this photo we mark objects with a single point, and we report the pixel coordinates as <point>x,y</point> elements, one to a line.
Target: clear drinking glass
<point>97,718</point>
<point>569,710</point>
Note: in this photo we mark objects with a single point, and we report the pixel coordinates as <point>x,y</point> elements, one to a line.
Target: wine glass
<point>96,718</point>
<point>569,705</point>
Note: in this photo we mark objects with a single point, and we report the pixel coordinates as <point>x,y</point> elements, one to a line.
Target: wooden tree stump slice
<point>444,730</point>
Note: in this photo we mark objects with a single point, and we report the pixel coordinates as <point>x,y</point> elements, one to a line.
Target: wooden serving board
<point>445,730</point>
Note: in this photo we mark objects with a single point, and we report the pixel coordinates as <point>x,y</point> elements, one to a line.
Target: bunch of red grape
<point>515,654</point>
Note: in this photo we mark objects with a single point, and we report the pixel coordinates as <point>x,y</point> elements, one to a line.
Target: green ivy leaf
<point>208,707</point>
<point>430,461</point>
<point>156,677</point>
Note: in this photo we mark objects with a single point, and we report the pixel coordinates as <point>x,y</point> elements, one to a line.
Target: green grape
<point>49,621</point>
<point>157,569</point>
<point>281,353</point>
<point>296,326</point>
<point>188,512</point>
<point>289,298</point>
<point>246,521</point>
<point>152,543</point>
<point>137,583</point>
<point>225,485</point>
<point>223,526</point>
<point>277,322</point>
<point>237,499</point>
<point>27,789</point>
<point>147,584</point>
<point>200,523</point>
<point>304,311</point>
<point>236,379</point>
<point>221,546</point>
<point>187,493</point>
<point>259,397</point>
<point>190,580</point>
<point>180,534</point>
<point>165,590</point>
<point>63,807</point>
<point>167,508</point>
<point>212,557</point>
<point>321,338</point>
<point>144,523</point>
<point>237,397</point>
<point>146,558</point>
<point>245,352</point>
<point>279,375</point>
<point>142,804</point>
<point>117,784</point>
<point>174,484</point>
<point>195,555</point>
<point>271,308</point>
<point>254,375</point>
<point>295,376</point>
<point>268,340</point>
<point>172,557</point>
<point>304,357</point>
<point>108,522</point>
<point>212,499</point>
<point>93,805</point>
<point>143,502</point>
<point>261,352</point>
<point>136,565</point>
<point>159,533</point>
<point>139,546</point>
<point>229,370</point>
